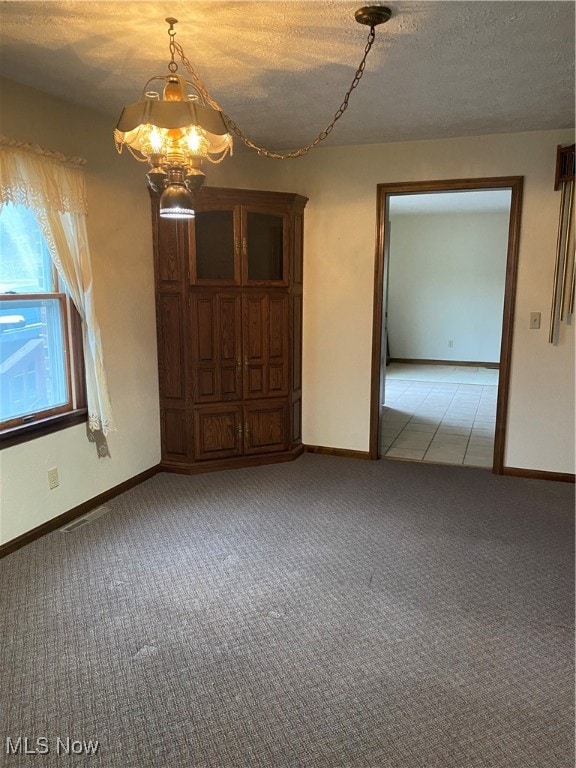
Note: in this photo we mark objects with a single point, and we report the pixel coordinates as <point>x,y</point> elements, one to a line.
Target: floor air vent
<point>84,520</point>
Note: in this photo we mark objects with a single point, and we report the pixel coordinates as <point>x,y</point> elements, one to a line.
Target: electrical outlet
<point>450,343</point>
<point>53,481</point>
<point>534,320</point>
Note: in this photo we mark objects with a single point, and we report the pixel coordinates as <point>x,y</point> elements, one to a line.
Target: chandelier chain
<point>176,47</point>
<point>172,66</point>
<point>201,87</point>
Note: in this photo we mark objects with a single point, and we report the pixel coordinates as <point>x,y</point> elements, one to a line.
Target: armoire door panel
<point>205,328</point>
<point>218,432</point>
<point>171,345</point>
<point>277,379</point>
<point>265,247</point>
<point>229,340</point>
<point>278,353</point>
<point>297,342</point>
<point>278,319</point>
<point>265,342</point>
<point>254,342</point>
<point>265,427</point>
<point>297,270</point>
<point>206,386</point>
<point>229,328</point>
<point>297,421</point>
<point>175,438</point>
<point>254,380</point>
<point>229,381</point>
<point>216,346</point>
<point>170,246</point>
<point>254,329</point>
<point>215,247</point>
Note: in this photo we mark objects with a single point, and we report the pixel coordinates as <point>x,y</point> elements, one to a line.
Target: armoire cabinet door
<point>265,247</point>
<point>265,344</point>
<point>215,247</point>
<point>171,345</point>
<point>266,427</point>
<point>170,252</point>
<point>176,435</point>
<point>238,245</point>
<point>216,346</point>
<point>224,431</point>
<point>218,432</point>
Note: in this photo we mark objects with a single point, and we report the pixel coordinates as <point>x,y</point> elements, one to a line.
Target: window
<point>53,364</point>
<point>40,343</point>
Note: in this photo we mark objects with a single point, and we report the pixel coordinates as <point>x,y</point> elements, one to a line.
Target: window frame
<point>23,428</point>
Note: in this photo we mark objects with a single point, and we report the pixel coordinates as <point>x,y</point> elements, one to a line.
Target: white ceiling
<point>280,69</point>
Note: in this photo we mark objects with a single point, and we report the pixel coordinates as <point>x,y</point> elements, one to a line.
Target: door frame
<point>384,192</point>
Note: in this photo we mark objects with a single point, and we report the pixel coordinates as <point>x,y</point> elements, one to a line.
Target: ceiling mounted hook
<point>373,15</point>
<point>172,66</point>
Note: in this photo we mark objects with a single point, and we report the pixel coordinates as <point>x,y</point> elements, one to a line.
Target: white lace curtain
<point>53,187</point>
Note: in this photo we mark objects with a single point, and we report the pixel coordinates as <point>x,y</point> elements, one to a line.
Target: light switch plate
<point>534,320</point>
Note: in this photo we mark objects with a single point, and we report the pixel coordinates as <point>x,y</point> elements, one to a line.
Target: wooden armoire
<point>229,326</point>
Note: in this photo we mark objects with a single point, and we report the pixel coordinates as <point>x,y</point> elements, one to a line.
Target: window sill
<point>25,432</point>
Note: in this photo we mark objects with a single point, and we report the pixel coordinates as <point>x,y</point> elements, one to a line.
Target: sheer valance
<point>39,179</point>
<point>53,186</point>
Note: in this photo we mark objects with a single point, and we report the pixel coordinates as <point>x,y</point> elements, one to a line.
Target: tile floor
<point>441,414</point>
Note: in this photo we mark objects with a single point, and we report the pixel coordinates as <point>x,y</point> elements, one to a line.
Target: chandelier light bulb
<point>154,139</point>
<point>196,140</point>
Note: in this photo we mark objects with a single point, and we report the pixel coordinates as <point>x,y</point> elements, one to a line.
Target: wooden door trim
<point>384,191</point>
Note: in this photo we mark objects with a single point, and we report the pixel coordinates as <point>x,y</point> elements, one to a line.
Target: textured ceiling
<point>280,69</point>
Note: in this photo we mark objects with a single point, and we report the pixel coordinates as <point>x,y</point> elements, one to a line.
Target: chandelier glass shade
<point>174,131</point>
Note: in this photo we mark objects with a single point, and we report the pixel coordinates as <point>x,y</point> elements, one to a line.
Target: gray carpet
<point>327,613</point>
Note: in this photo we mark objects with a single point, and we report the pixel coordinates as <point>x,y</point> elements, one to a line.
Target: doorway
<point>405,196</point>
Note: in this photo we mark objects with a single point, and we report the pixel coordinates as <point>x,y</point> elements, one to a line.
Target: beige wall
<point>339,261</point>
<point>119,231</point>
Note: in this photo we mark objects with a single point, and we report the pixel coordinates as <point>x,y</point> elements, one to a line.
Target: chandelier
<point>176,126</point>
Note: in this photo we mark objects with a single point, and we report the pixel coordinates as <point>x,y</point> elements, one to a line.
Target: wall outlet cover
<point>53,481</point>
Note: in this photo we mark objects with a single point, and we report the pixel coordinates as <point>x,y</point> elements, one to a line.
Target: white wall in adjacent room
<point>446,285</point>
